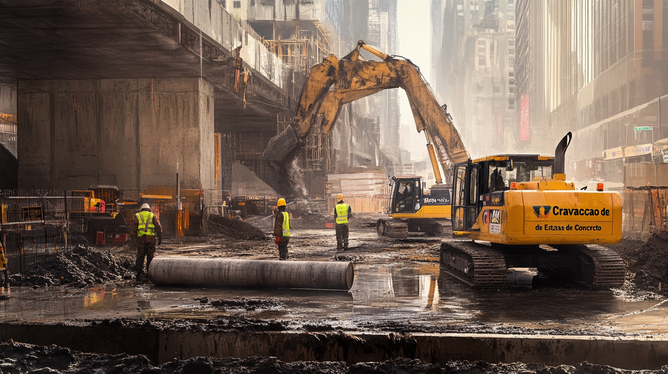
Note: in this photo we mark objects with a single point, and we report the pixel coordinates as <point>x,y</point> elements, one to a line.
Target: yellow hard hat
<point>339,197</point>
<point>281,202</point>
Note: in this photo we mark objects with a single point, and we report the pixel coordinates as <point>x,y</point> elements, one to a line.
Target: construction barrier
<point>644,212</point>
<point>28,243</point>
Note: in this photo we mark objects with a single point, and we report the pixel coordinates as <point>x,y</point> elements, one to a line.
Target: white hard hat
<point>145,206</point>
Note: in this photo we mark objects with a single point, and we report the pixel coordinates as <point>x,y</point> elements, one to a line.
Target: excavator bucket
<point>281,145</point>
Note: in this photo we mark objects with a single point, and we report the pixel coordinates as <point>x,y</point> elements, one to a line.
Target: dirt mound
<point>648,260</point>
<point>80,267</point>
<point>23,358</point>
<point>233,228</point>
<point>308,220</point>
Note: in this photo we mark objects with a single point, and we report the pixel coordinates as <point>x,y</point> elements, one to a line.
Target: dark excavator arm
<point>333,83</point>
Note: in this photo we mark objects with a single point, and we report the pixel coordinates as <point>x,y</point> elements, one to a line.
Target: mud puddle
<point>398,296</point>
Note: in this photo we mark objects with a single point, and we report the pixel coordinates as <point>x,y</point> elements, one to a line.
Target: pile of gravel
<point>80,267</point>
<point>233,228</point>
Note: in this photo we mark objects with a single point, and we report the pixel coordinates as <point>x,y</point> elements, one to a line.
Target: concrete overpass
<point>122,91</point>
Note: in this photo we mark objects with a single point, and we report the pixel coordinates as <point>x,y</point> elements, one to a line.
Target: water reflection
<point>417,293</point>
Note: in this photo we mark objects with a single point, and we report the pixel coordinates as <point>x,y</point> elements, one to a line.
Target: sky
<point>414,31</point>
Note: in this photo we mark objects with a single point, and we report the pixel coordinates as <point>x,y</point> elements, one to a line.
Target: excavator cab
<point>406,195</point>
<point>414,209</point>
<point>481,183</point>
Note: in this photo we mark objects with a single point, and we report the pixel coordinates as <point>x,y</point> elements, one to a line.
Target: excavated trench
<point>401,308</point>
<point>181,340</point>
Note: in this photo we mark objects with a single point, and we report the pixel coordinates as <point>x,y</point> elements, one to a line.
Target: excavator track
<point>476,265</point>
<point>392,229</point>
<point>601,267</point>
<point>484,267</point>
<point>429,227</point>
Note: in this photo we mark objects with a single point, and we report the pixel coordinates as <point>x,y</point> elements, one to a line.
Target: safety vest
<point>146,226</point>
<point>341,213</point>
<point>286,224</point>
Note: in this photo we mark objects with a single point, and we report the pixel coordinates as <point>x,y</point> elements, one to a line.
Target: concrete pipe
<point>222,272</point>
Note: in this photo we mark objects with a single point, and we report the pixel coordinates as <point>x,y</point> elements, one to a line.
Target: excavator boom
<point>334,82</point>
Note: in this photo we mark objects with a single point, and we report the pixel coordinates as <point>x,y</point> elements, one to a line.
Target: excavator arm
<point>334,82</point>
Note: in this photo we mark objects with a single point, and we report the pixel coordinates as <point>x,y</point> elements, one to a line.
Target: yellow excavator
<point>508,211</point>
<point>519,212</point>
<point>335,82</point>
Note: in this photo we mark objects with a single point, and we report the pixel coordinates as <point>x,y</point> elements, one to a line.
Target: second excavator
<point>514,210</point>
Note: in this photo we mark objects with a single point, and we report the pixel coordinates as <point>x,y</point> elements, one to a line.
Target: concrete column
<point>125,132</point>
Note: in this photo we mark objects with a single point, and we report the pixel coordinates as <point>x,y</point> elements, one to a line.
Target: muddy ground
<point>18,358</point>
<point>85,265</point>
<point>648,265</point>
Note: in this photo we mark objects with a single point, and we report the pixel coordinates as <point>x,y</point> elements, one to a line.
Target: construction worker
<point>282,229</point>
<point>342,213</point>
<point>145,228</point>
<point>4,281</point>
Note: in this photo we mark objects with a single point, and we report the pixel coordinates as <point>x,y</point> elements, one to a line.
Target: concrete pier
<point>105,89</point>
<point>131,133</point>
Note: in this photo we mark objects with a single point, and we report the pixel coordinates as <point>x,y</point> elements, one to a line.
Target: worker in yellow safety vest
<point>146,226</point>
<point>282,229</point>
<point>342,213</point>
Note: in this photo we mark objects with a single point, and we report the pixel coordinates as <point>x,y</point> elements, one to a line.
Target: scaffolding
<point>300,44</point>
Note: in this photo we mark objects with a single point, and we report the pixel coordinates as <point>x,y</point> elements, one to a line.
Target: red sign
<point>498,125</point>
<point>524,121</point>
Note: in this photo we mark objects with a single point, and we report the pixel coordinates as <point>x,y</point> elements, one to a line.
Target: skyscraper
<point>597,69</point>
<point>473,52</point>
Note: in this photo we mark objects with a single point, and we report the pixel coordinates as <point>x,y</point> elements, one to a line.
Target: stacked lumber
<point>365,190</point>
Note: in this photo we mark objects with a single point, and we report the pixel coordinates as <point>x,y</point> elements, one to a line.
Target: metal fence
<point>644,212</point>
<point>33,226</point>
<point>28,243</point>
